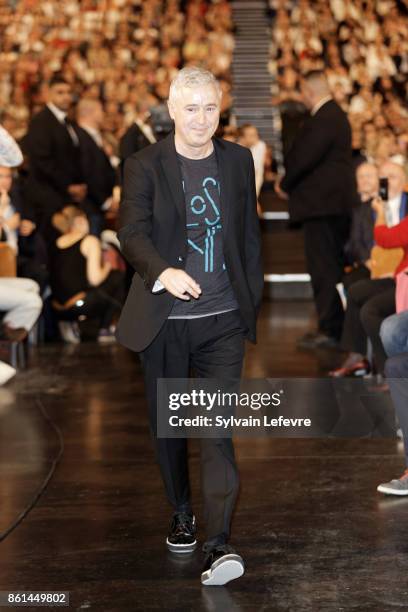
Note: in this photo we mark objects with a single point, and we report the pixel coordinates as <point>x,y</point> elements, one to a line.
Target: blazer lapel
<point>225,175</point>
<point>172,172</point>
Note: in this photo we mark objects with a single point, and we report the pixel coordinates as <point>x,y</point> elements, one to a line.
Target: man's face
<point>195,112</point>
<point>5,179</point>
<point>396,178</point>
<point>60,95</point>
<point>367,179</point>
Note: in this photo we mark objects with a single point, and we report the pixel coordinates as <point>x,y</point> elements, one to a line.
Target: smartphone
<point>383,192</point>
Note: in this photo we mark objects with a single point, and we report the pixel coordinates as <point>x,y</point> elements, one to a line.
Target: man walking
<point>190,230</point>
<point>321,186</point>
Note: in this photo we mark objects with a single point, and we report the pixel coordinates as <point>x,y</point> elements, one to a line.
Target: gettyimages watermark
<point>286,408</point>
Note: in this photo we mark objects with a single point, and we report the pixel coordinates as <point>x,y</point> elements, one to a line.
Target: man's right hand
<point>180,284</point>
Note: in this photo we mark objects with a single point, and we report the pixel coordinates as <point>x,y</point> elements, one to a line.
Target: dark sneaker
<point>399,486</point>
<point>181,538</point>
<point>319,340</point>
<point>221,565</point>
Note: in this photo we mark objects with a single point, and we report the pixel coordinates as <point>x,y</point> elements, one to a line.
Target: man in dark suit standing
<point>139,135</point>
<point>97,170</point>
<point>189,227</point>
<point>55,175</point>
<point>321,186</point>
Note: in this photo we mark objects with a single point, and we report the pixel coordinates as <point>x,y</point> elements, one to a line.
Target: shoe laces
<point>226,549</point>
<point>183,522</point>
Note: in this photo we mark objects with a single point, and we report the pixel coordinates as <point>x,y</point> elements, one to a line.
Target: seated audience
<point>361,241</point>
<point>10,153</point>
<point>370,301</point>
<point>19,232</point>
<point>20,300</point>
<point>394,334</point>
<point>363,50</point>
<point>119,54</point>
<point>9,217</point>
<point>82,285</point>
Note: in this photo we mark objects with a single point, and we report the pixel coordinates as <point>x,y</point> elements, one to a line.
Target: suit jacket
<point>361,240</point>
<point>153,234</point>
<point>97,171</point>
<point>132,141</point>
<point>53,162</point>
<point>319,172</point>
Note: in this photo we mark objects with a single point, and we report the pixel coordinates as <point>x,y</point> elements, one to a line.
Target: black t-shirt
<point>205,259</point>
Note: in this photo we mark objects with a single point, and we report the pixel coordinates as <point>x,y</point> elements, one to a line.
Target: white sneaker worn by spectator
<point>6,372</point>
<point>69,332</point>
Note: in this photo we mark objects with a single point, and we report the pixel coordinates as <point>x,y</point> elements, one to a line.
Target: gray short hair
<point>193,76</point>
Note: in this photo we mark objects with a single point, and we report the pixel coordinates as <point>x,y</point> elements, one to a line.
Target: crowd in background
<point>363,46</point>
<point>120,52</point>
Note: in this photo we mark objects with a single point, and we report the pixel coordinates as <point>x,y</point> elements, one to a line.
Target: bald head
<point>314,88</point>
<point>90,113</point>
<point>396,176</point>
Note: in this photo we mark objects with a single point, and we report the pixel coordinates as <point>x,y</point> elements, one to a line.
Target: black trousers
<point>358,273</point>
<point>325,238</point>
<point>212,347</point>
<point>396,370</point>
<point>102,303</point>
<point>369,302</point>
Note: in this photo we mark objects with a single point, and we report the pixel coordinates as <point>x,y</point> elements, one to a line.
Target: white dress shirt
<point>61,116</point>
<point>392,210</point>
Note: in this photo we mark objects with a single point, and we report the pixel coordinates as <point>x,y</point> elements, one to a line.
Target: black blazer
<point>97,171</point>
<point>319,172</point>
<point>153,234</point>
<point>132,141</point>
<point>54,162</point>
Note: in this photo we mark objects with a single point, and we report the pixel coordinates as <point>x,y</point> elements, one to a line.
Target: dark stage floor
<point>315,534</point>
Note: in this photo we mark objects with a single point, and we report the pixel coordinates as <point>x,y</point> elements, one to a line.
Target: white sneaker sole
<point>181,548</point>
<point>229,568</point>
<point>389,491</point>
<point>6,372</point>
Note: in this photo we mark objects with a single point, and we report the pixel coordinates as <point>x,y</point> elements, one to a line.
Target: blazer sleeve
<point>135,223</point>
<point>392,237</point>
<point>252,246</point>
<point>307,152</point>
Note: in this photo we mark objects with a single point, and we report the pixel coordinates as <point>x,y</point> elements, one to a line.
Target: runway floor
<point>314,533</point>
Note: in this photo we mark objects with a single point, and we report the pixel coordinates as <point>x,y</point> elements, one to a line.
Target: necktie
<point>71,131</point>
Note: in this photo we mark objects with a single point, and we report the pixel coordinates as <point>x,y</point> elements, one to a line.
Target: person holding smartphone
<point>370,301</point>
